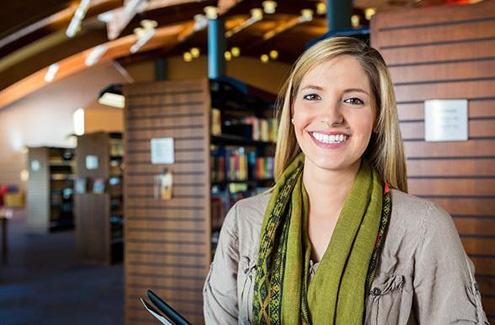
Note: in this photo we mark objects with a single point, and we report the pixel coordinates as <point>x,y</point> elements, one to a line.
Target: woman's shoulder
<point>416,213</point>
<point>253,205</point>
<point>247,212</point>
<point>245,219</point>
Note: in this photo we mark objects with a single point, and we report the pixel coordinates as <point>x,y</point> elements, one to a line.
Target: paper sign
<point>35,165</point>
<point>162,151</point>
<point>446,120</point>
<point>92,162</point>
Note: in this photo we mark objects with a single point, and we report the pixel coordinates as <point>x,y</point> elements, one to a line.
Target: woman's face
<point>334,113</point>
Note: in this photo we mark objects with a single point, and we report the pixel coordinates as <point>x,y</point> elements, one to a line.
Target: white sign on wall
<point>162,151</point>
<point>92,162</point>
<point>446,120</point>
<point>35,165</point>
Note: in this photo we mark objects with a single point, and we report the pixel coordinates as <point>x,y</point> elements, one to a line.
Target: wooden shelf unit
<point>50,188</point>
<point>99,199</point>
<point>168,243</point>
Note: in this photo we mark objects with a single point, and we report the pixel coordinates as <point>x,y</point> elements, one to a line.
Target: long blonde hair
<point>385,151</point>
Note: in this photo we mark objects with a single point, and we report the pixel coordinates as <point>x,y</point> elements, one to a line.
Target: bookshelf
<point>223,140</point>
<point>50,188</point>
<point>243,134</point>
<point>99,198</point>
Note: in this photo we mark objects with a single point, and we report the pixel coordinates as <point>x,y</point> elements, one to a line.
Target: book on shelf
<point>216,121</point>
<point>99,186</point>
<point>217,212</point>
<point>264,167</point>
<point>251,128</point>
<point>263,129</point>
<point>238,163</point>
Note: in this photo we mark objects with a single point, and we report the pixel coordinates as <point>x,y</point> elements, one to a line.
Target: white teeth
<point>325,138</point>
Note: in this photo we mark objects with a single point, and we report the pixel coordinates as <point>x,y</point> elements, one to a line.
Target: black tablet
<point>165,308</point>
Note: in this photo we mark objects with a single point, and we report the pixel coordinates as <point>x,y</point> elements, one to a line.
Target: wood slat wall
<point>167,243</point>
<point>448,52</point>
<point>92,211</point>
<point>38,191</point>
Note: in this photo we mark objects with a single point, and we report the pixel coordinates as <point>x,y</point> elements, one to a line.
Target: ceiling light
<point>144,34</point>
<point>236,52</point>
<point>265,58</point>
<point>369,12</point>
<point>228,56</point>
<point>187,57</point>
<point>96,55</point>
<point>273,54</point>
<point>321,8</point>
<point>307,14</point>
<point>211,12</point>
<point>256,13</point>
<point>112,96</point>
<point>52,71</point>
<point>133,6</point>
<point>75,23</point>
<point>113,100</point>
<point>355,20</point>
<point>148,23</point>
<point>269,6</point>
<point>195,52</point>
<point>200,22</point>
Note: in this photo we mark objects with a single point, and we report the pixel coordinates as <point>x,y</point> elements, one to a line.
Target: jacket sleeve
<point>220,288</point>
<point>444,285</point>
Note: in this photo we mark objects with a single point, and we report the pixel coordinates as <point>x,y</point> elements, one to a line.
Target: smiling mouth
<point>329,138</point>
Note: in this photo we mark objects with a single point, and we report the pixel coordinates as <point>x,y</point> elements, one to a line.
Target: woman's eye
<point>311,97</point>
<point>354,101</point>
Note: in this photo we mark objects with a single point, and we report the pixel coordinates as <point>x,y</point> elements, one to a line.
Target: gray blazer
<point>424,275</point>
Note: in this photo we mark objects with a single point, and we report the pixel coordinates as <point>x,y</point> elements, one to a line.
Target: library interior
<point>129,128</point>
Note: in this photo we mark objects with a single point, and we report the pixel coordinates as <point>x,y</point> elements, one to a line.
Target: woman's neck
<point>328,189</point>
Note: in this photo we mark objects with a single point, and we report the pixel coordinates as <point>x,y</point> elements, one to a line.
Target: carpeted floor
<point>42,283</point>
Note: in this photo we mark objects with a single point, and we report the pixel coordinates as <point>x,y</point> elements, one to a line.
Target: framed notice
<point>92,162</point>
<point>446,120</point>
<point>162,151</point>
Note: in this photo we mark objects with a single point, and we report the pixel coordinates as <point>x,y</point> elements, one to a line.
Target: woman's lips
<point>328,135</point>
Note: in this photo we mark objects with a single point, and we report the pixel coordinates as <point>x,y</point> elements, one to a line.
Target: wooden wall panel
<point>38,191</point>
<point>167,243</point>
<point>478,110</point>
<point>451,53</point>
<point>448,52</point>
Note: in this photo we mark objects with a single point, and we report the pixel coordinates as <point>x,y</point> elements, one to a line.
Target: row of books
<point>264,129</point>
<point>116,147</point>
<point>221,202</point>
<point>231,163</point>
<point>99,185</point>
<point>252,127</point>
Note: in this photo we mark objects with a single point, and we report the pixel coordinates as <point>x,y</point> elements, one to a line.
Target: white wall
<point>44,118</point>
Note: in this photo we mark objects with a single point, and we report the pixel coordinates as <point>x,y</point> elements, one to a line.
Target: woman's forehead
<point>342,72</point>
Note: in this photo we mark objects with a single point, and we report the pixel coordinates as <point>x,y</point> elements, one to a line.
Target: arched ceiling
<point>32,34</point>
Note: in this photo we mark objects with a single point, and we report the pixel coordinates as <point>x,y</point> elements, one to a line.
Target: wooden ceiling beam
<point>164,37</point>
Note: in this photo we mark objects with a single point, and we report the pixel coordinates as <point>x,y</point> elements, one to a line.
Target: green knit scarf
<point>336,294</point>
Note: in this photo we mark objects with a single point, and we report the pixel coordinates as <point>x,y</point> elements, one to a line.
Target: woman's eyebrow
<point>312,87</point>
<point>356,90</point>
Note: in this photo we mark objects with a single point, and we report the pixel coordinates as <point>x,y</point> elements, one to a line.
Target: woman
<point>337,240</point>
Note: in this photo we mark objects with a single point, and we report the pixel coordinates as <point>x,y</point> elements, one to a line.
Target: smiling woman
<point>337,240</point>
<point>333,120</point>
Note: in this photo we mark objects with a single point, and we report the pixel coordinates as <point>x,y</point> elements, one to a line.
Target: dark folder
<point>164,310</point>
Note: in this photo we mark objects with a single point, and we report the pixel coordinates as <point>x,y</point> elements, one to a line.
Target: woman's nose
<point>332,117</point>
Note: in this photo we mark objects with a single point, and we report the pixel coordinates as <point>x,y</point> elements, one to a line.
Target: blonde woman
<point>338,240</point>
